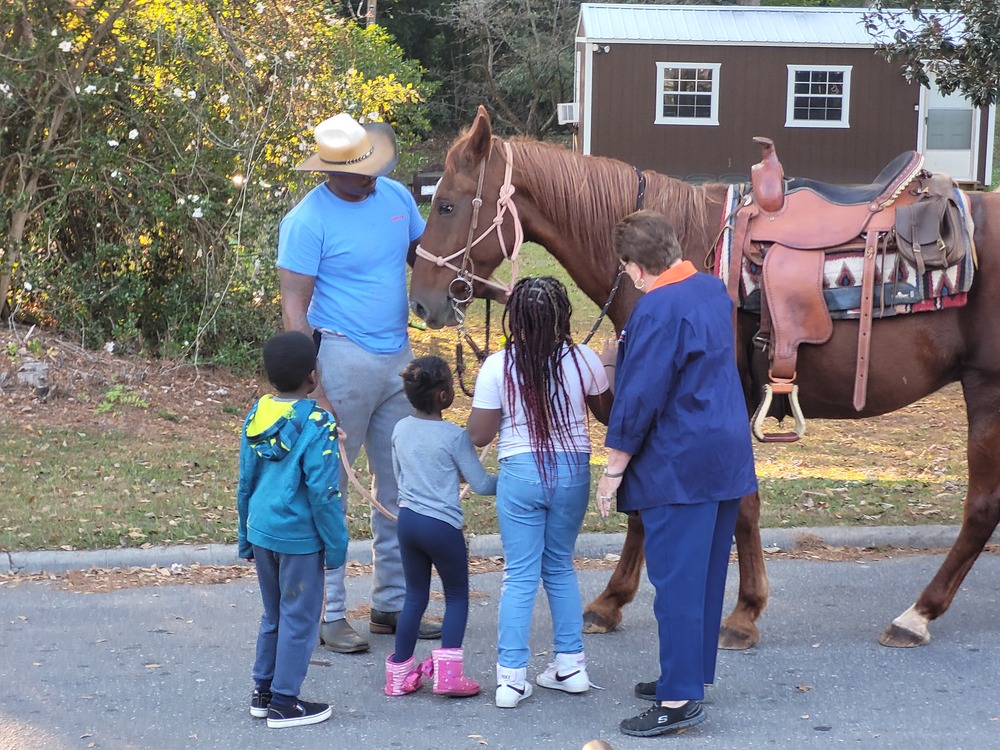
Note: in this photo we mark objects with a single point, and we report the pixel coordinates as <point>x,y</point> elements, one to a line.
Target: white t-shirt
<point>583,375</point>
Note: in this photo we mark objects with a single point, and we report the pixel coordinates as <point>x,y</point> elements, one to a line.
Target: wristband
<point>613,476</point>
<point>611,366</point>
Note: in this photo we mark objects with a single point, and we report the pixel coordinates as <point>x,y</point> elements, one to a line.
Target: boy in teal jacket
<point>291,524</point>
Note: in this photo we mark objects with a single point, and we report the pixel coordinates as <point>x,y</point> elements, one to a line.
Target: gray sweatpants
<point>367,394</point>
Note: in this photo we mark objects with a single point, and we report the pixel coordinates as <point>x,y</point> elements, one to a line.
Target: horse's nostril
<point>419,310</point>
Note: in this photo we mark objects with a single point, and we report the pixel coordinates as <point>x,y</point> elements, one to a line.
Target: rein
<point>640,201</point>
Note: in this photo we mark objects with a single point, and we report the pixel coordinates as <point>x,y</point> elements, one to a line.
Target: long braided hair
<point>536,326</point>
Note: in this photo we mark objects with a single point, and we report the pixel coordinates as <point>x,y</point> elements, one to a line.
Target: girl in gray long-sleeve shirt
<point>430,456</point>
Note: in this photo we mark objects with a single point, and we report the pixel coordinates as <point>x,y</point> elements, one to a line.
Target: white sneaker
<point>567,673</point>
<point>512,687</point>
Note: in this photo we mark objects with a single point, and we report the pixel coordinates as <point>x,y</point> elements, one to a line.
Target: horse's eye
<point>445,208</point>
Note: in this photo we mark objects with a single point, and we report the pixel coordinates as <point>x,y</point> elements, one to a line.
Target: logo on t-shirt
<point>398,217</point>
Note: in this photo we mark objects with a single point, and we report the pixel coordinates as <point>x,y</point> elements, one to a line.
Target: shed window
<point>818,97</point>
<point>687,93</point>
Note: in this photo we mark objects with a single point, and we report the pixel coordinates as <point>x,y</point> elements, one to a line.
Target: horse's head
<point>469,232</point>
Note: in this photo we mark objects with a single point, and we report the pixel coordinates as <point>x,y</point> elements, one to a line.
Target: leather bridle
<point>460,290</point>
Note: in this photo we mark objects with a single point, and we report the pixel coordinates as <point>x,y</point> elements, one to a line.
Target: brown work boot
<point>384,623</point>
<point>340,637</point>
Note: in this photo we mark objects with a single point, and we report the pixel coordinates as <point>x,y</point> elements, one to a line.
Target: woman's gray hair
<point>648,239</point>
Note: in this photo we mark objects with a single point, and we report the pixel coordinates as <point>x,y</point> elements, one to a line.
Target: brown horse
<point>569,203</point>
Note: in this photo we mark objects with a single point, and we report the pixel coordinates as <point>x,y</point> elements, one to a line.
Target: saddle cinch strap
<point>786,227</point>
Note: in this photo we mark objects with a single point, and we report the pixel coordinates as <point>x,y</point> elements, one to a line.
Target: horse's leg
<point>739,630</point>
<point>982,512</point>
<point>605,613</point>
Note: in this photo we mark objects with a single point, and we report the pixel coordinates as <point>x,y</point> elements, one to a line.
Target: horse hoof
<point>897,637</point>
<point>595,623</point>
<point>736,640</point>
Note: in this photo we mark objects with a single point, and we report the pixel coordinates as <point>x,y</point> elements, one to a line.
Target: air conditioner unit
<point>567,113</point>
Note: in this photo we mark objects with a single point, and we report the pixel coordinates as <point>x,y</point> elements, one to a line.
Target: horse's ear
<point>477,147</point>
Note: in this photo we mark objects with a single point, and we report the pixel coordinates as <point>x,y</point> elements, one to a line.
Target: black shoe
<point>297,715</point>
<point>384,623</point>
<point>645,690</point>
<point>659,720</point>
<point>260,701</point>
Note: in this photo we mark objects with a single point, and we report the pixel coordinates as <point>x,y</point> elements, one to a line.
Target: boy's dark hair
<point>288,360</point>
<point>421,378</point>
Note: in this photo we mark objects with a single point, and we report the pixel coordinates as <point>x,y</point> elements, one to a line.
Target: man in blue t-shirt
<point>342,255</point>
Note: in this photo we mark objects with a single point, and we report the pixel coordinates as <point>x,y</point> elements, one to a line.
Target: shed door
<point>949,133</point>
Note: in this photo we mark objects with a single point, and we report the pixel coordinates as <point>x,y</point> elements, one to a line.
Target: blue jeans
<point>539,525</point>
<point>367,394</point>
<point>291,589</point>
<point>426,541</point>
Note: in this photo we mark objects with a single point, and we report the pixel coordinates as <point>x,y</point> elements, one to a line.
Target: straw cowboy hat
<point>344,145</point>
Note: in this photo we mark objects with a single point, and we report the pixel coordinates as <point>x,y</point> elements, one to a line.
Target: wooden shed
<point>682,89</point>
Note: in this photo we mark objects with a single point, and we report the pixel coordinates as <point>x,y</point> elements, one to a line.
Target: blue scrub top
<point>679,407</point>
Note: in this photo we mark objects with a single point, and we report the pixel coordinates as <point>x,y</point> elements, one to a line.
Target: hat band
<point>355,160</point>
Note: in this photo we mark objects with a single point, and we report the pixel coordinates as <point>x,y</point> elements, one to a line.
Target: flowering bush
<point>146,154</point>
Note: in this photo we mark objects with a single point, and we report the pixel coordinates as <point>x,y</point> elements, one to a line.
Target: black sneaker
<point>260,700</point>
<point>645,690</point>
<point>659,720</point>
<point>297,715</point>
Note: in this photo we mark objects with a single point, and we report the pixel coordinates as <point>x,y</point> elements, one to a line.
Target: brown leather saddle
<point>787,226</point>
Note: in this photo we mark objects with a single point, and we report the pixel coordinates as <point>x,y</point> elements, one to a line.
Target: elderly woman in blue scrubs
<point>680,456</point>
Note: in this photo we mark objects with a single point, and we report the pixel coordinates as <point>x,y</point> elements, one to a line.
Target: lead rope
<point>640,201</point>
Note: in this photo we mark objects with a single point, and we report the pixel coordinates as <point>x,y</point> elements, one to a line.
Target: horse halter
<point>505,202</point>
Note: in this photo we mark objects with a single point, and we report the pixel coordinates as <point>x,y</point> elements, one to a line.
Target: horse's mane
<point>591,194</point>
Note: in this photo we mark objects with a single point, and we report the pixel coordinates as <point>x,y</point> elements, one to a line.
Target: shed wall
<point>752,81</point>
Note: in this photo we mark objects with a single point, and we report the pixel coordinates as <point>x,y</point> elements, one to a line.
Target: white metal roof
<point>710,24</point>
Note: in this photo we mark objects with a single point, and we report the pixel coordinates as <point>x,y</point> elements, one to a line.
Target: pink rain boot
<point>448,677</point>
<point>404,677</point>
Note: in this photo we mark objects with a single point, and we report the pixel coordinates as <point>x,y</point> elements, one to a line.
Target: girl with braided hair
<point>535,393</point>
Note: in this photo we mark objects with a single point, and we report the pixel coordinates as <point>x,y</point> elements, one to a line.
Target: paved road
<point>169,668</point>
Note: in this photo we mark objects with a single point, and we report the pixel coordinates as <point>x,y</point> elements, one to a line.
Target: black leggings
<point>424,541</point>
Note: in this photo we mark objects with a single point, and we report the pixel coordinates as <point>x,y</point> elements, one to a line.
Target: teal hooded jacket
<point>288,495</point>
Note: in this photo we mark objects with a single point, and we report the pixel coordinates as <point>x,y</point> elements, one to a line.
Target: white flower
<point>178,93</point>
<point>133,134</point>
<point>115,173</point>
<point>109,347</point>
<point>113,143</point>
<point>90,89</point>
<point>194,198</point>
<point>5,90</point>
<point>259,7</point>
<point>119,69</point>
<point>27,286</point>
<point>249,63</point>
<point>181,201</point>
<point>261,57</point>
<point>55,32</point>
<point>197,213</point>
<point>289,55</point>
<point>192,94</point>
<point>66,46</point>
<point>224,99</point>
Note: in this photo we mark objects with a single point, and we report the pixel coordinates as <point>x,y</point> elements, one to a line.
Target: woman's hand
<point>607,487</point>
<point>609,352</point>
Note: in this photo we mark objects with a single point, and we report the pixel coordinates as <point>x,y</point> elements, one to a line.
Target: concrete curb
<point>588,545</point>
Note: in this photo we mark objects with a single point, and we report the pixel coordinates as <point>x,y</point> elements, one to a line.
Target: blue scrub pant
<point>687,558</point>
<point>538,529</point>
<point>426,541</point>
<point>291,589</point>
<point>367,393</point>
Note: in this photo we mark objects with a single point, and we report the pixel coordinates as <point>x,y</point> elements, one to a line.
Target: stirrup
<point>785,388</point>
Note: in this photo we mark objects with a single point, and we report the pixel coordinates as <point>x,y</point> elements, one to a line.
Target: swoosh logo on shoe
<point>518,690</point>
<point>564,677</point>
